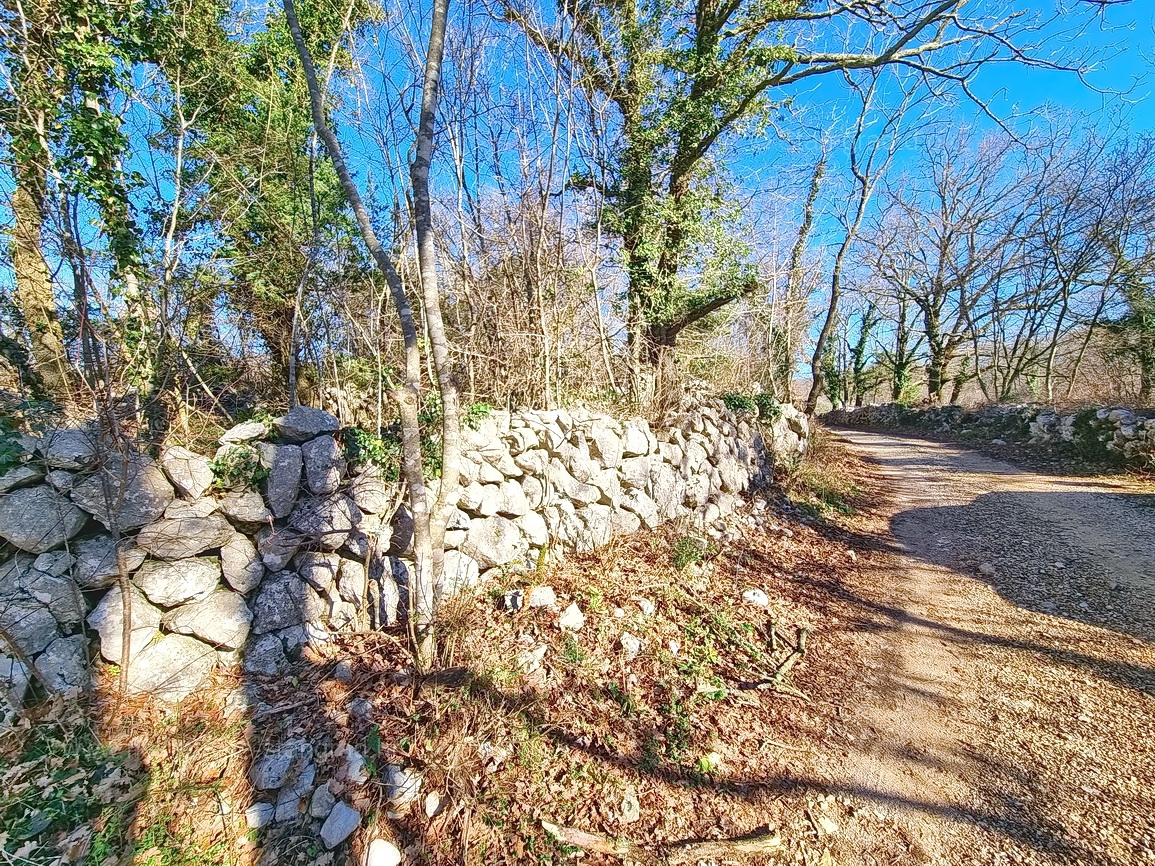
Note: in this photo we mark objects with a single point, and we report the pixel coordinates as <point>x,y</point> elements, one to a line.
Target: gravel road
<point>1006,637</point>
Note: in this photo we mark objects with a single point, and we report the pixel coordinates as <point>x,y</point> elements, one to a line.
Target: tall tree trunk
<point>435,326</point>
<point>34,285</point>
<point>407,395</point>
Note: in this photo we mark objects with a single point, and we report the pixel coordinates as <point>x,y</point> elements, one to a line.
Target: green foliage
<point>11,451</point>
<point>475,413</point>
<point>689,549</point>
<point>364,448</point>
<point>238,468</point>
<point>739,403</point>
<point>162,846</point>
<point>769,409</point>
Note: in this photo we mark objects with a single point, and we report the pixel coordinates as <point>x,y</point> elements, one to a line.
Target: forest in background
<point>603,200</point>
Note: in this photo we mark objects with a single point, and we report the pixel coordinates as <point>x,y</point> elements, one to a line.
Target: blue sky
<point>1124,37</point>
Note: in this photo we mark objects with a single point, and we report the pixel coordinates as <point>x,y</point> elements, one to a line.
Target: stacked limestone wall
<point>1094,433</point>
<point>322,546</point>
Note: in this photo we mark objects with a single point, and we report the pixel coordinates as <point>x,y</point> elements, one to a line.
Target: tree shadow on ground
<point>1080,555</point>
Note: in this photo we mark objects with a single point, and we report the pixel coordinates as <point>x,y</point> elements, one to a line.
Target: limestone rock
<point>756,597</point>
<point>480,499</point>
<point>494,541</point>
<point>606,446</point>
<point>644,507</point>
<point>635,473</point>
<point>511,499</point>
<point>277,545</point>
<point>541,596</point>
<point>402,786</point>
<point>108,621</point>
<point>38,519</point>
<point>61,479</point>
<point>20,476</point>
<point>533,525</point>
<point>29,624</point>
<point>284,479</point>
<point>303,423</point>
<point>352,581</point>
<point>323,465</point>
<point>58,593</point>
<point>340,824</point>
<point>461,572</point>
<point>258,815</point>
<point>401,537</point>
<point>125,493</point>
<point>222,619</point>
<point>327,520</point>
<point>382,852</point>
<point>319,570</point>
<point>571,619</point>
<point>372,494</point>
<point>180,581</point>
<point>283,601</point>
<point>246,431</point>
<point>188,471</point>
<point>265,656</point>
<point>631,646</point>
<point>573,489</point>
<point>534,492</point>
<point>69,448</point>
<point>635,441</point>
<point>101,560</point>
<point>245,507</point>
<point>240,564</point>
<point>322,802</point>
<point>171,668</point>
<point>14,682</point>
<point>184,536</point>
<point>179,508</point>
<point>273,770</point>
<point>64,664</point>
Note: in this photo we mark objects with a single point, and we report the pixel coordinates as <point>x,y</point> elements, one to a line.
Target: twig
<point>762,842</point>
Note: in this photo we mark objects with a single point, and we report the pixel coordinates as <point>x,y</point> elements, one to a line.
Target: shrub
<point>689,549</point>
<point>769,409</point>
<point>238,468</point>
<point>739,403</point>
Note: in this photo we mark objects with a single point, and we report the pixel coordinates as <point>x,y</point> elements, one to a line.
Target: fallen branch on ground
<point>762,842</point>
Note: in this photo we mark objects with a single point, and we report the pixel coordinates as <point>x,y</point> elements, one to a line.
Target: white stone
<point>631,646</point>
<point>278,766</point>
<point>240,564</point>
<point>304,423</point>
<point>259,814</point>
<point>246,431</point>
<point>541,596</point>
<point>382,853</point>
<point>402,786</point>
<point>571,619</point>
<point>756,597</point>
<point>108,620</point>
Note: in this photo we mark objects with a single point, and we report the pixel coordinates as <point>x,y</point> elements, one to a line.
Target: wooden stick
<point>762,842</point>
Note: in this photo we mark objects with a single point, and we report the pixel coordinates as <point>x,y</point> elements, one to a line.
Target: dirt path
<point>1007,703</point>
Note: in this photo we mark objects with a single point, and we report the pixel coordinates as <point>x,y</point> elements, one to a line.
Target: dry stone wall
<point>1107,433</point>
<point>116,541</point>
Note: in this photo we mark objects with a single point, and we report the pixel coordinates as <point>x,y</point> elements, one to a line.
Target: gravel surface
<point>1003,639</point>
